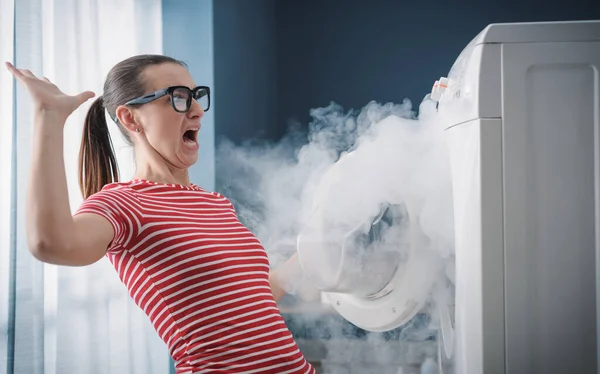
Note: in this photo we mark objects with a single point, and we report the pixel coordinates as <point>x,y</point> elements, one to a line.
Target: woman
<point>201,277</point>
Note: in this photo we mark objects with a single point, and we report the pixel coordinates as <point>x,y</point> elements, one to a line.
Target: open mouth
<point>190,137</point>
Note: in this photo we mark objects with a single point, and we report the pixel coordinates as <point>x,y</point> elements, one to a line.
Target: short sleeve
<point>113,206</point>
<point>228,202</point>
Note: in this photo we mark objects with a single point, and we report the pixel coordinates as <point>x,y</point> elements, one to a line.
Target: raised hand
<point>46,96</point>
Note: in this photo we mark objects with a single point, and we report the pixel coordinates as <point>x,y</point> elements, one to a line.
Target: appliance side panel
<point>550,141</point>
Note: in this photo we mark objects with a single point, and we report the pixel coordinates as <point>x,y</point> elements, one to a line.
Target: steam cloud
<point>390,154</point>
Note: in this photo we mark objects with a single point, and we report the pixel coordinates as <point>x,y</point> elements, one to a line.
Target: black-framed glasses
<point>181,97</point>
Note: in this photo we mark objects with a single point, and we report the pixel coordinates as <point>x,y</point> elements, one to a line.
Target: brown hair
<point>97,161</point>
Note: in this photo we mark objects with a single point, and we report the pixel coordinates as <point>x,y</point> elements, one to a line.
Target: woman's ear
<point>126,118</point>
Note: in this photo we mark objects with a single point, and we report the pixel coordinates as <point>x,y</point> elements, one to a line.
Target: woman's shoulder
<point>114,191</point>
<point>116,188</point>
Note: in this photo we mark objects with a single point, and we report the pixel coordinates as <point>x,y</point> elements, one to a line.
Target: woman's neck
<point>162,174</point>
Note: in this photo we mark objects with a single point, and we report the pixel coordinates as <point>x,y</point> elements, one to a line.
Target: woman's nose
<point>195,109</point>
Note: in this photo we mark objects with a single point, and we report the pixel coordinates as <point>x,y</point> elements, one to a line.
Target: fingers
<point>19,73</point>
<point>15,72</point>
<point>28,73</point>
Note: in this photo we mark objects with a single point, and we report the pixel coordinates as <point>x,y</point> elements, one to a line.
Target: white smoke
<point>380,154</point>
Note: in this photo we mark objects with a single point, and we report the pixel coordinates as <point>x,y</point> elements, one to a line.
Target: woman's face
<point>173,135</point>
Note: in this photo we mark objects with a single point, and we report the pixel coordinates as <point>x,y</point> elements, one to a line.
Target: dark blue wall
<point>352,52</point>
<point>245,68</point>
<point>275,60</point>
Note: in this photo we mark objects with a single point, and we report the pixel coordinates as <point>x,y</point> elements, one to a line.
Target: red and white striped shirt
<point>200,275</point>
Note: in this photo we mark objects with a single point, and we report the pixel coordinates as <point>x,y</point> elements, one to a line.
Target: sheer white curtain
<point>6,124</point>
<point>61,319</point>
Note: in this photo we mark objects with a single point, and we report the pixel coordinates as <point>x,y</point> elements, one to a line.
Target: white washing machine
<point>521,108</point>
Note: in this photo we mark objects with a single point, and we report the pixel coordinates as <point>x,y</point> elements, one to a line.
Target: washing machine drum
<point>364,250</point>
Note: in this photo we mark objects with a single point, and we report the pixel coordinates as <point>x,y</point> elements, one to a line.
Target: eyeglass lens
<point>182,99</point>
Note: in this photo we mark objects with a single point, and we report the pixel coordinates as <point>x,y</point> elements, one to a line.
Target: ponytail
<point>97,162</point>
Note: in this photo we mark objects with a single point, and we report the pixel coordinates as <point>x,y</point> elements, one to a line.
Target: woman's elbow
<point>57,254</point>
<point>40,248</point>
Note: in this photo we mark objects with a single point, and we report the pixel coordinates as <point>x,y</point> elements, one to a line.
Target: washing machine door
<point>365,250</point>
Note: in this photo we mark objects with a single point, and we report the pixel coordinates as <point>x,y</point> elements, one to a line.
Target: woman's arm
<point>53,235</point>
<point>276,289</point>
<point>285,278</point>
